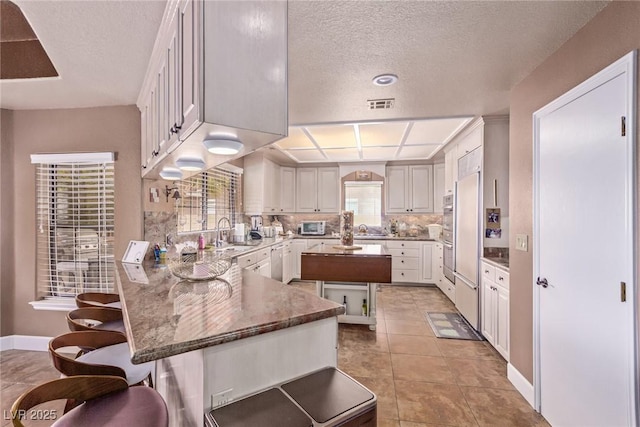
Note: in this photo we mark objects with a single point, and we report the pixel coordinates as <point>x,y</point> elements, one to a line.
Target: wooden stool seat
<point>98,299</point>
<point>108,402</point>
<point>95,318</point>
<point>106,353</point>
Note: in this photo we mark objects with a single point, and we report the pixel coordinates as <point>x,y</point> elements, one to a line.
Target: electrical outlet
<point>221,398</point>
<point>521,242</point>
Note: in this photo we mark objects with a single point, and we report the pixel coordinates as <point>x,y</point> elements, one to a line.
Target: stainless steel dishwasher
<point>277,251</point>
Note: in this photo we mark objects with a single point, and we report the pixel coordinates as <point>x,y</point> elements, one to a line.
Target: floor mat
<point>452,325</point>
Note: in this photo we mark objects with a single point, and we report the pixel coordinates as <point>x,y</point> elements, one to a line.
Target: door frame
<point>626,65</point>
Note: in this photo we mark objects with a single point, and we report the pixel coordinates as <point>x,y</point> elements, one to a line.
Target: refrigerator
<point>467,240</point>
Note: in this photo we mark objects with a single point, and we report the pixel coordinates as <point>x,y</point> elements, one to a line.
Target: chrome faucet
<point>362,229</point>
<point>218,239</point>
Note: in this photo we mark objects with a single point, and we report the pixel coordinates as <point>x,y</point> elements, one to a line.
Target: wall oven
<point>447,237</point>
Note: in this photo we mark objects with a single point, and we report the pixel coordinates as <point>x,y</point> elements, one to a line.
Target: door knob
<point>542,282</point>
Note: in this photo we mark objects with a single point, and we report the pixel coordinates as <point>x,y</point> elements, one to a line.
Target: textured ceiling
<point>99,48</point>
<point>453,58</point>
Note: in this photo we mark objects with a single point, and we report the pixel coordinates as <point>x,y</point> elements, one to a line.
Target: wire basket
<point>206,269</point>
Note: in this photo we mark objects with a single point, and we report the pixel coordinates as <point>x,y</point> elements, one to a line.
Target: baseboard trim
<point>24,342</point>
<point>521,384</point>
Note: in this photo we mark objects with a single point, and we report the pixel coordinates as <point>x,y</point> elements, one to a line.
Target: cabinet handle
<point>500,278</point>
<point>401,253</point>
<point>486,272</point>
<point>402,261</point>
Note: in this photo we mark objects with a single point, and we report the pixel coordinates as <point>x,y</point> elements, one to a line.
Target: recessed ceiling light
<point>385,79</point>
<point>222,145</point>
<point>171,174</point>
<point>190,164</point>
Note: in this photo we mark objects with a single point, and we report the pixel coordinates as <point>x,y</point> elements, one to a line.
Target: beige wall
<point>114,129</point>
<point>6,222</point>
<point>610,35</point>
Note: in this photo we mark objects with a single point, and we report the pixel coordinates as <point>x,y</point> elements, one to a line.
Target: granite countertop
<point>364,251</point>
<point>423,238</point>
<point>500,262</point>
<point>168,316</point>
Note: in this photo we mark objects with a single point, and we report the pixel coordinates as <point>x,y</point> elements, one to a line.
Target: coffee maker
<point>256,227</point>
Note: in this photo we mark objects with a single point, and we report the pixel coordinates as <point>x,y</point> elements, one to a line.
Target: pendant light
<point>171,174</point>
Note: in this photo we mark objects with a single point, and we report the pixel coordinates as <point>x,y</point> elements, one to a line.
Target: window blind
<point>365,200</point>
<point>75,226</point>
<point>207,197</point>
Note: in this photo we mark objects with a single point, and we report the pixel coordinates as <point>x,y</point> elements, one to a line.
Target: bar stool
<point>107,401</point>
<point>103,353</point>
<point>98,299</point>
<point>95,318</point>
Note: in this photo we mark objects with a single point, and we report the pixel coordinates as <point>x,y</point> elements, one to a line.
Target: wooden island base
<point>349,275</point>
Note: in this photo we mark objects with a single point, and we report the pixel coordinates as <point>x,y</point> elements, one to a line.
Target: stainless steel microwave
<point>315,228</point>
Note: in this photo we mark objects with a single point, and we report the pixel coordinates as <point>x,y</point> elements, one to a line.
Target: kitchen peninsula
<point>223,339</point>
<point>349,276</point>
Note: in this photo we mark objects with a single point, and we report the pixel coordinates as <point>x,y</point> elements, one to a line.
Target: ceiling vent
<point>381,104</point>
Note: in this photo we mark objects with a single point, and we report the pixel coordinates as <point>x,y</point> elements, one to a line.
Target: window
<point>207,197</point>
<point>75,224</point>
<point>365,200</point>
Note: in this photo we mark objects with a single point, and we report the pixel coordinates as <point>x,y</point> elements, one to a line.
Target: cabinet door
<point>328,190</point>
<point>449,170</point>
<point>421,188</point>
<point>438,187</point>
<point>470,142</point>
<point>161,105</point>
<point>146,132</point>
<point>271,187</point>
<point>502,322</point>
<point>190,66</point>
<point>287,189</point>
<point>297,246</point>
<point>427,267</point>
<point>397,181</point>
<point>306,190</point>
<point>488,311</point>
<point>174,113</point>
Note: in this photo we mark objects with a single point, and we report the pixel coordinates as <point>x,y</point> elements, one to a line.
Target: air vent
<point>380,104</point>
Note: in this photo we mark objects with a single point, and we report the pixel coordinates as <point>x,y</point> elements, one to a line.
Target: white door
<point>583,250</point>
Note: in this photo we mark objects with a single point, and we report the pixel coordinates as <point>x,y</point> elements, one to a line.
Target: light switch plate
<point>521,242</point>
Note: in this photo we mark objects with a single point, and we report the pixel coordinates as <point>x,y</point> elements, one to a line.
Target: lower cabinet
<point>405,261</point>
<point>258,261</point>
<point>431,263</point>
<point>287,263</point>
<point>297,246</point>
<point>495,308</point>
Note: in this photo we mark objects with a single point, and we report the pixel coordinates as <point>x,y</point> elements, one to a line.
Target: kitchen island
<point>349,276</point>
<point>214,341</point>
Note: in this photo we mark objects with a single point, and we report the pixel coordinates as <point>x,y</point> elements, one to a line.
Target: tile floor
<point>420,380</point>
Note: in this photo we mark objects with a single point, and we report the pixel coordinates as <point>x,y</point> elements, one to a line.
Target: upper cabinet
<point>241,48</point>
<point>409,189</point>
<point>438,186</point>
<point>268,187</point>
<point>318,190</point>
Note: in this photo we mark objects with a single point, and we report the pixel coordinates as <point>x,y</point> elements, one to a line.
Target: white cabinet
<point>495,308</point>
<point>287,189</point>
<point>239,95</point>
<point>431,263</point>
<point>297,247</point>
<point>450,169</point>
<point>438,186</point>
<point>405,260</point>
<point>258,261</point>
<point>318,190</point>
<point>268,188</point>
<point>409,189</point>
<point>287,262</point>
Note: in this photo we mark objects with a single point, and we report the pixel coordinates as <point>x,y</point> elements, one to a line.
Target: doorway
<point>584,229</point>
